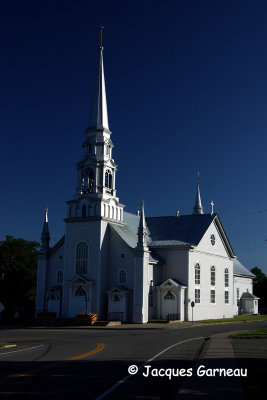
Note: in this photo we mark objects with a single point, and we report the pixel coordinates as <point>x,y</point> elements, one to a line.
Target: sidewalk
<point>218,354</point>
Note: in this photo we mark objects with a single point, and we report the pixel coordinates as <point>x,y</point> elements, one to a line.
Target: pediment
<point>171,283</point>
<point>79,280</point>
<point>117,290</point>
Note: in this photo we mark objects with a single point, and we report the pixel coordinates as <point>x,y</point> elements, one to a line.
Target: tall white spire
<point>198,209</point>
<point>99,114</point>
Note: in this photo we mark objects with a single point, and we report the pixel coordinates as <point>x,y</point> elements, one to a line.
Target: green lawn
<point>251,334</point>
<point>237,318</point>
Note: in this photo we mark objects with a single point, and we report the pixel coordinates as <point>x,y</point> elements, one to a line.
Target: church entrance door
<point>78,302</point>
<point>169,305</point>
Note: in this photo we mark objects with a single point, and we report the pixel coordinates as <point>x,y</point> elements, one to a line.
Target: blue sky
<point>186,92</point>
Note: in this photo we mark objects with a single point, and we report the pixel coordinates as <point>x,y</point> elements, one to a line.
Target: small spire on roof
<point>212,207</point>
<point>198,209</point>
<point>142,230</point>
<point>45,238</point>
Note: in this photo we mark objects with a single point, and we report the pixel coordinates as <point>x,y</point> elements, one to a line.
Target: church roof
<point>180,231</point>
<point>184,230</point>
<point>239,269</point>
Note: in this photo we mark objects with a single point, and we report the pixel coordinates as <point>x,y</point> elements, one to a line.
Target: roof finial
<point>198,209</point>
<point>101,34</point>
<point>142,230</point>
<point>45,238</point>
<point>212,206</point>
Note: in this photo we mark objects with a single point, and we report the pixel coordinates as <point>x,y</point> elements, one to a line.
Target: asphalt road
<point>64,363</point>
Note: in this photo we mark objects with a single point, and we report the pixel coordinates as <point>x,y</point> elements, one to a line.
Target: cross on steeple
<point>101,34</point>
<point>212,205</point>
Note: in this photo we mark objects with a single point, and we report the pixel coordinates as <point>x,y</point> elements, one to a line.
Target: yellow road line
<point>100,347</point>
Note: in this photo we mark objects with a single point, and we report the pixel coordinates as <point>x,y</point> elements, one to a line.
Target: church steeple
<point>198,209</point>
<point>98,114</point>
<point>96,189</point>
<point>45,233</point>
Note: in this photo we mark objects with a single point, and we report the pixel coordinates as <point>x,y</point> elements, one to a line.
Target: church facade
<point>127,267</point>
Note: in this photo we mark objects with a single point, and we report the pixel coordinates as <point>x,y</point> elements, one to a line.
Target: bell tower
<point>96,191</point>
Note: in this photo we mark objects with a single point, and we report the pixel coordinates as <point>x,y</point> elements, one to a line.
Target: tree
<point>260,286</point>
<point>18,272</point>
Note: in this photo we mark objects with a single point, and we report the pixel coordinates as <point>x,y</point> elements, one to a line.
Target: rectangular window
<point>226,277</point>
<point>212,296</point>
<point>212,276</point>
<point>197,274</point>
<point>226,297</point>
<point>197,295</point>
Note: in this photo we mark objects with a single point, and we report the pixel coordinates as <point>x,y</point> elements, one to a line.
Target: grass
<point>237,318</point>
<point>250,334</point>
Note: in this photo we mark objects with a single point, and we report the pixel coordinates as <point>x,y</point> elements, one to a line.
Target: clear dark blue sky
<point>186,90</point>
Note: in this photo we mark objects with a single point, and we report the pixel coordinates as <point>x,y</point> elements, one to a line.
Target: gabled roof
<point>185,230</point>
<point>239,269</point>
<point>182,230</point>
<point>171,282</point>
<point>247,295</point>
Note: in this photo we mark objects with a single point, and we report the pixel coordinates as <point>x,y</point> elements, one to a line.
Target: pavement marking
<point>17,351</point>
<point>117,384</point>
<point>100,347</point>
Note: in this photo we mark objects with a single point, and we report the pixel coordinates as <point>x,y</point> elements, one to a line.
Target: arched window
<point>81,259</point>
<point>84,211</point>
<point>212,276</point>
<point>122,277</point>
<point>197,274</point>
<point>169,296</point>
<point>226,277</point>
<point>87,181</point>
<point>108,179</point>
<point>80,292</point>
<point>60,277</point>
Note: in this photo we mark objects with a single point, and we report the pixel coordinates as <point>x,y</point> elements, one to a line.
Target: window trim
<point>197,298</point>
<point>226,274</point>
<point>212,275</point>
<point>211,296</point>
<point>212,239</point>
<point>120,273</point>
<point>226,298</point>
<point>197,272</point>
<point>82,263</point>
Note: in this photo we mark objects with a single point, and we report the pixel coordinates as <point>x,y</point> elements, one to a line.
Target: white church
<point>127,267</point>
